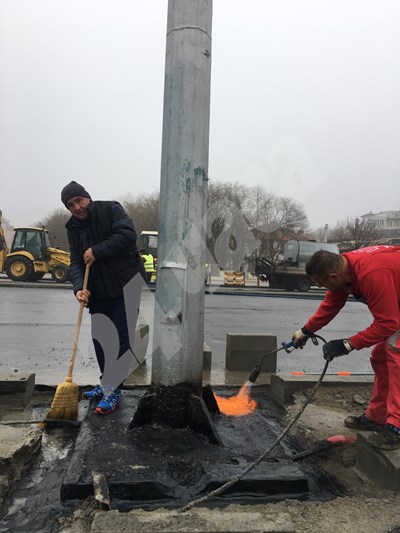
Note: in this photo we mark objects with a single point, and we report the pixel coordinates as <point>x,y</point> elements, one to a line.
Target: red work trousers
<point>384,406</point>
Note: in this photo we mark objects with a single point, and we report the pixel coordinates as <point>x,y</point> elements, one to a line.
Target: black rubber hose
<point>239,476</point>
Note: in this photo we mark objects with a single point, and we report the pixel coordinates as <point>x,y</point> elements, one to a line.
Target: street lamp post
<point>175,394</point>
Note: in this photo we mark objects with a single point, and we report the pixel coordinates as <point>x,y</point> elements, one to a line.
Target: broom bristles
<point>65,402</point>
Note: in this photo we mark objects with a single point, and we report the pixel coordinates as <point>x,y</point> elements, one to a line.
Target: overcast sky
<point>305,101</point>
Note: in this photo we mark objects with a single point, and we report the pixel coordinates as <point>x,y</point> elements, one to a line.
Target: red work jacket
<point>375,280</point>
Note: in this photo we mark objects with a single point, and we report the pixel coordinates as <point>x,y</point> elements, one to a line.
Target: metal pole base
<point>178,406</point>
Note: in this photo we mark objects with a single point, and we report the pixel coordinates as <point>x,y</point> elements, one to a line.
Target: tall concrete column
<point>179,314</point>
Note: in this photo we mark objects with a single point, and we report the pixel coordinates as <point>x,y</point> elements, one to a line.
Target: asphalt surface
<point>37,326</point>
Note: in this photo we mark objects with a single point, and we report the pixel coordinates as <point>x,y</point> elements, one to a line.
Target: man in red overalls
<point>372,275</point>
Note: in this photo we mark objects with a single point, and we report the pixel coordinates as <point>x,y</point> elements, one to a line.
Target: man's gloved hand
<point>336,348</point>
<point>300,337</point>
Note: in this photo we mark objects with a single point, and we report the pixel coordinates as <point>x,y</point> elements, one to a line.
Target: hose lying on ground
<point>265,454</point>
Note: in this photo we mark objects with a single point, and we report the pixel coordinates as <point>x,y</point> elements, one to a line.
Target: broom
<point>65,403</point>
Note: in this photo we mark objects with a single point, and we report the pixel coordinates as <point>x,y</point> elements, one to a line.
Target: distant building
<point>386,222</point>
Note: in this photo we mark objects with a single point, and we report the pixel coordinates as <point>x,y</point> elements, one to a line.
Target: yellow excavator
<point>31,256</point>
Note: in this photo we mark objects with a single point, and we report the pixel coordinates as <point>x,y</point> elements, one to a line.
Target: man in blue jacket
<point>101,235</point>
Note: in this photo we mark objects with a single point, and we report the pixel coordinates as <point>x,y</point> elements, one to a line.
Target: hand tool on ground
<point>324,445</point>
<point>54,422</point>
<point>101,490</point>
<point>65,402</point>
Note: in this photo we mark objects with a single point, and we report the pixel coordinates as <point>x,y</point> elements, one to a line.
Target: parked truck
<point>31,256</point>
<point>289,273</point>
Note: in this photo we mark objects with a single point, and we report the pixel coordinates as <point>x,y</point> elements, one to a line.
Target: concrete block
<point>382,467</point>
<point>244,351</point>
<point>283,386</point>
<point>16,390</point>
<point>207,355</point>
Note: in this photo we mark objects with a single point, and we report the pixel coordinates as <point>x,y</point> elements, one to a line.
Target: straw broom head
<point>65,403</point>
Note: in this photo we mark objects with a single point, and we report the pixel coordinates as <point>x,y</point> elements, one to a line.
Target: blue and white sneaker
<point>109,403</point>
<point>96,393</point>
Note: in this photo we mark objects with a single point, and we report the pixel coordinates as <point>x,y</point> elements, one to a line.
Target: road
<point>281,316</point>
<point>37,327</point>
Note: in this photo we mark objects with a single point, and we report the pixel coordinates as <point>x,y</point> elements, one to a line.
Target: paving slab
<point>199,520</point>
<point>382,467</point>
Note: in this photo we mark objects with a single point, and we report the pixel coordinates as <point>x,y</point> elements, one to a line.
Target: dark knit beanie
<point>73,189</point>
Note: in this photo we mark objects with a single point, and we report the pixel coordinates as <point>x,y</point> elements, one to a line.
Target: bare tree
<point>353,234</point>
<point>242,214</point>
<point>339,233</point>
<point>281,219</point>
<point>362,233</point>
<point>144,210</point>
<point>55,222</point>
<point>277,212</point>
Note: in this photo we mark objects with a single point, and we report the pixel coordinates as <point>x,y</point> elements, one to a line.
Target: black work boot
<point>386,439</point>
<point>362,423</point>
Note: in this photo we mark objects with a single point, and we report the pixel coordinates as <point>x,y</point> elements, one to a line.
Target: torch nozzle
<point>255,373</point>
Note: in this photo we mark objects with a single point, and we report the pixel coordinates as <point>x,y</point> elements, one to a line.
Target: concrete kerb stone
<point>16,390</point>
<point>382,467</point>
<point>200,520</point>
<point>283,386</point>
<point>244,351</point>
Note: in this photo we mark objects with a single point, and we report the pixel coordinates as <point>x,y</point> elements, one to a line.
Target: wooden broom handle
<point>78,325</point>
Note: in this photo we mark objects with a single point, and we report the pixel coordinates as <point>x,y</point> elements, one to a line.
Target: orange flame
<point>238,405</point>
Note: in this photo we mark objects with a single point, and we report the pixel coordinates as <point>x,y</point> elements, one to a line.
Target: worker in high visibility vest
<point>148,262</point>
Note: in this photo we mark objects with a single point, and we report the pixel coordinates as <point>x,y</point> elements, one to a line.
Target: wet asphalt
<point>37,326</point>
